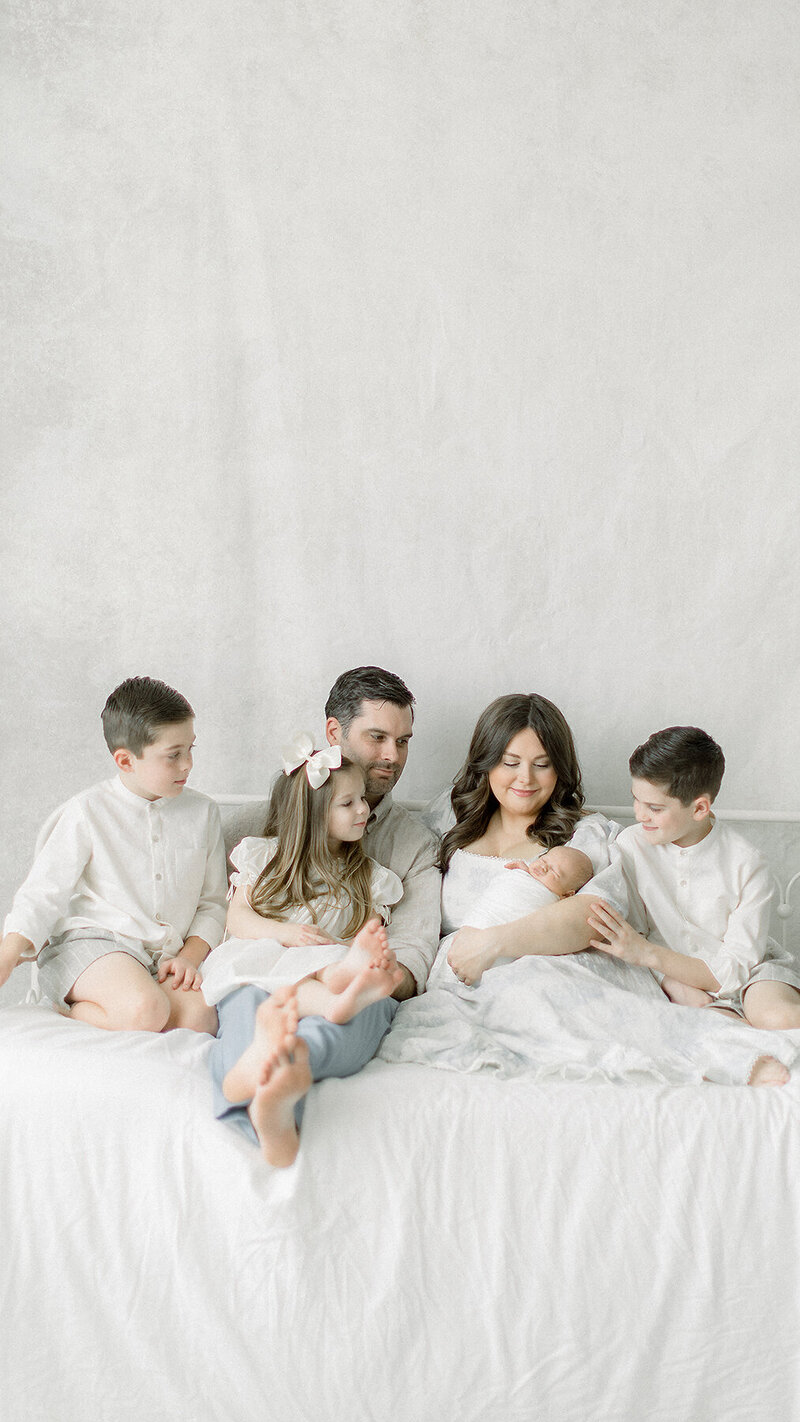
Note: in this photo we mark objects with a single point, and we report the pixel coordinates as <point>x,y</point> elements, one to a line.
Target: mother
<point>518,794</point>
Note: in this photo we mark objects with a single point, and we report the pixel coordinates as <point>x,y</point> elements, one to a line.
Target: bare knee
<point>774,1017</point>
<point>773,1007</point>
<point>143,1012</point>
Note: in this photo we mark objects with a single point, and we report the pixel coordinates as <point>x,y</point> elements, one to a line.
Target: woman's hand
<point>471,953</point>
<point>619,939</point>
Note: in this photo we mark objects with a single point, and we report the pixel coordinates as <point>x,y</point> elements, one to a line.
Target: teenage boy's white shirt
<point>152,871</point>
<point>710,901</point>
<point>399,840</point>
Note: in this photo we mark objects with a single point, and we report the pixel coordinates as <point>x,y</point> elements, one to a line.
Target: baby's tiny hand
<point>522,864</point>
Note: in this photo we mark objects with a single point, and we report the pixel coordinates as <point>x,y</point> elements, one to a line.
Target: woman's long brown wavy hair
<point>472,799</point>
<point>304,868</point>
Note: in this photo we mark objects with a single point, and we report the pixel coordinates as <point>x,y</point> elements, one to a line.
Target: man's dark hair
<point>137,709</point>
<point>683,759</point>
<point>361,684</point>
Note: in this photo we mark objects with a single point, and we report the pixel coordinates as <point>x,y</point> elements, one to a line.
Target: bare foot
<point>276,1024</point>
<point>377,980</point>
<point>683,995</point>
<point>367,948</point>
<point>285,1079</point>
<point>768,1072</point>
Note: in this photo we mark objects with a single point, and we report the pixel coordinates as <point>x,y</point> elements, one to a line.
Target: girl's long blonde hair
<point>304,869</point>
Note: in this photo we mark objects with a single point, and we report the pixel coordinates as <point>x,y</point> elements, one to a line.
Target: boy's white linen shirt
<point>152,871</point>
<point>711,900</point>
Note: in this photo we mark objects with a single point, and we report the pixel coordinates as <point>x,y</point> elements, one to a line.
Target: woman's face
<point>524,780</point>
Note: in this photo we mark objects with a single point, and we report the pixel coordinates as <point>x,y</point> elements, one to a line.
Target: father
<point>370,715</point>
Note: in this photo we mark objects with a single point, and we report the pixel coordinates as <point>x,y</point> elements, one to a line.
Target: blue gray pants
<point>333,1050</point>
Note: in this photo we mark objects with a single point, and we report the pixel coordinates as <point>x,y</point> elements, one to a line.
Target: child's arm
<point>244,922</point>
<point>621,941</point>
<point>63,849</point>
<point>13,947</point>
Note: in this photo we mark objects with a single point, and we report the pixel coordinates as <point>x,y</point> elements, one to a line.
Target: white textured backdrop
<point>459,338</point>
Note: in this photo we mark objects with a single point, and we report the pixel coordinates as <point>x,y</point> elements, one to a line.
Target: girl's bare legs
<point>116,992</point>
<point>273,1075</point>
<point>276,1021</point>
<point>368,972</point>
<point>285,1079</point>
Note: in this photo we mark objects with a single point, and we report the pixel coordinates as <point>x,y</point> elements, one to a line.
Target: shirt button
<point>155,839</point>
<point>158,876</point>
<point>684,882</point>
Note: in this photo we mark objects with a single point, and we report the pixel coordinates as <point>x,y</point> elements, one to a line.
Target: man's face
<point>377,741</point>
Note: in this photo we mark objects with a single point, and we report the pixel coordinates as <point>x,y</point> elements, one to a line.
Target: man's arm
<point>415,922</point>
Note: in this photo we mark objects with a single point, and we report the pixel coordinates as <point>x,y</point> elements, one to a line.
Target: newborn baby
<point>516,889</point>
<point>558,874</point>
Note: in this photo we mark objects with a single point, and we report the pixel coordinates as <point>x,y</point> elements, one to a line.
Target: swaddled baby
<point>517,889</point>
<point>525,887</point>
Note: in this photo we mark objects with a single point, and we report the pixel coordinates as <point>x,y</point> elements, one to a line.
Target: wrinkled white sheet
<point>447,1246</point>
<point>580,1017</point>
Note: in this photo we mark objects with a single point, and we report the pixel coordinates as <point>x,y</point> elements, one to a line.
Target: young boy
<point>127,891</point>
<point>699,895</point>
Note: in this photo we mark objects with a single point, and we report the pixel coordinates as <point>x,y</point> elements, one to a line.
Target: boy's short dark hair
<point>137,709</point>
<point>683,759</point>
<point>361,684</point>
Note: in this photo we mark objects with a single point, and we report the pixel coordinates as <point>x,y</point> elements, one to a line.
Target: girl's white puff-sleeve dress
<point>265,963</point>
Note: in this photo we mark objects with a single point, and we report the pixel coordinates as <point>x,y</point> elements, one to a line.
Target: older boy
<point>698,894</point>
<point>126,895</point>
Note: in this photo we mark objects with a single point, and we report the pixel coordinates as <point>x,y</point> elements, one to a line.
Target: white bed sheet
<point>448,1248</point>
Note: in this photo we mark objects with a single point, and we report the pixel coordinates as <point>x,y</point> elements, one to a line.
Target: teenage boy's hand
<point>619,939</point>
<point>182,971</point>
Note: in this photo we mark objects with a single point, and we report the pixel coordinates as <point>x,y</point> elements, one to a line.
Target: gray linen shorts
<point>770,971</point>
<point>63,959</point>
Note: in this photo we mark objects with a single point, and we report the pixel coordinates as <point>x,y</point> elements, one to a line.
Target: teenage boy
<point>698,894</point>
<point>126,895</point>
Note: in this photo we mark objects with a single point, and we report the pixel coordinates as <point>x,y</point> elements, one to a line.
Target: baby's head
<point>676,776</point>
<point>563,870</point>
<point>149,729</point>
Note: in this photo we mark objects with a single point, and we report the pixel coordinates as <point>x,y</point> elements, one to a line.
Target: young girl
<point>295,1002</point>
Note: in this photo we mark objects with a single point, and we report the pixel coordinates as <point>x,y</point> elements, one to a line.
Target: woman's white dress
<point>576,1017</point>
<point>265,963</point>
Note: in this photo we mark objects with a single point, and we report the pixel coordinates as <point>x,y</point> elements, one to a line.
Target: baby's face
<point>562,870</point>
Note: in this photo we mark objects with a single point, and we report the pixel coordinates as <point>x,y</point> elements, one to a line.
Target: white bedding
<point>581,1017</point>
<point>448,1248</point>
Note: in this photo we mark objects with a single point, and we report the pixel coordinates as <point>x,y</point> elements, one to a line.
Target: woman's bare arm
<point>559,928</point>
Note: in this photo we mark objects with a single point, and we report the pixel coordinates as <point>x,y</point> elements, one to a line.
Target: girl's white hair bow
<point>318,764</point>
